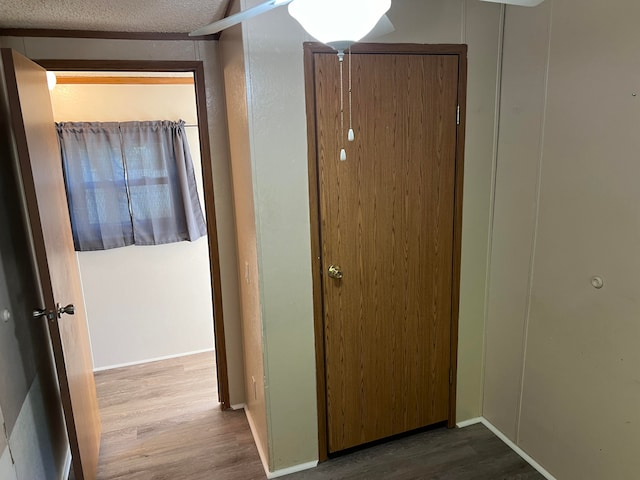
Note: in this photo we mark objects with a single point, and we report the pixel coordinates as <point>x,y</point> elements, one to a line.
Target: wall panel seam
<point>492,201</point>
<point>527,312</point>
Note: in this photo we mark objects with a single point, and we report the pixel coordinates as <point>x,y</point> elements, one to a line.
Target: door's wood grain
<point>39,172</point>
<point>387,218</point>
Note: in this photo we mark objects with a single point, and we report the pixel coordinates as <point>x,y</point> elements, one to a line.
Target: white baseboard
<point>264,459</point>
<point>238,406</point>
<point>518,450</point>
<point>468,423</point>
<point>462,424</point>
<point>66,469</point>
<point>150,360</point>
<point>294,469</point>
<point>509,443</point>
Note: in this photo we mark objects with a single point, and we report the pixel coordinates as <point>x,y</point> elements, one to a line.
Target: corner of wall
<point>482,32</point>
<point>280,183</point>
<point>234,63</point>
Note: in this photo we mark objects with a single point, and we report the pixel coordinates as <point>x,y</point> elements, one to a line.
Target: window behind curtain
<point>129,183</point>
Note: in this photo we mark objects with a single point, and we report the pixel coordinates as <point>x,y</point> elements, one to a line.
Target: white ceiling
<point>112,15</point>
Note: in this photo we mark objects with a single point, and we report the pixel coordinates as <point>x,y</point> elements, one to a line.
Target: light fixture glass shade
<point>521,3</point>
<point>338,23</point>
<point>51,80</point>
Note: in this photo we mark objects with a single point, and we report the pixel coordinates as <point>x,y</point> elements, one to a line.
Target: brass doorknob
<point>335,272</point>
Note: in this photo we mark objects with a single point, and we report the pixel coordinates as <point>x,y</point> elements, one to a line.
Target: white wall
<point>7,468</point>
<point>562,370</point>
<point>31,440</point>
<point>235,77</point>
<point>147,302</point>
<point>277,132</point>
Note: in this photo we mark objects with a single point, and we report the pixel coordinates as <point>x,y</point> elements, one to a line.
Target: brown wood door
<point>387,220</point>
<point>32,130</point>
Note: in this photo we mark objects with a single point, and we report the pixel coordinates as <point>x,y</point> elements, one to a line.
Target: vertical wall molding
<point>527,312</point>
<point>494,173</point>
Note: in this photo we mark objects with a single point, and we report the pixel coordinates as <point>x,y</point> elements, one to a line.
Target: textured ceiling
<point>112,15</point>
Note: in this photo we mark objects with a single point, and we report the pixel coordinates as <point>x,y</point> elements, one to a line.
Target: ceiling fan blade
<point>382,28</point>
<point>521,3</point>
<point>236,18</point>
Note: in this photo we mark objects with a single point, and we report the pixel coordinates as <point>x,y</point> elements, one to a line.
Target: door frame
<point>310,49</point>
<point>197,69</point>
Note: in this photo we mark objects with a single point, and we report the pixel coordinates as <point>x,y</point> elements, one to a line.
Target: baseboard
<point>238,406</point>
<point>264,459</point>
<point>518,450</point>
<point>468,423</point>
<point>462,424</point>
<point>294,469</point>
<point>151,360</point>
<point>66,469</point>
<point>509,443</point>
<point>263,455</point>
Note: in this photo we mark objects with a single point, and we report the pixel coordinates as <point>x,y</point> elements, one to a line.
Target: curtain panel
<point>129,183</point>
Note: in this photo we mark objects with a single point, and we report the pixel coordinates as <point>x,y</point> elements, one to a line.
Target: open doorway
<point>174,294</point>
<point>152,310</point>
<point>144,303</point>
<point>40,207</point>
<point>196,69</point>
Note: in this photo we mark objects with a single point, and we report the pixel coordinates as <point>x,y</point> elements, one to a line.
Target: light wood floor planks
<point>161,421</point>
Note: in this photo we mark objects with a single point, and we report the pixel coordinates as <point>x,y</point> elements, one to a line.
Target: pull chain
<point>343,152</point>
<point>350,136</point>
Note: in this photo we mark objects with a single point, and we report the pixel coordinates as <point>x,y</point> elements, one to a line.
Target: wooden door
<point>387,220</point>
<point>30,127</point>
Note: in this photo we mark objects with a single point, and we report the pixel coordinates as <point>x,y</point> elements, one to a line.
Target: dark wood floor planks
<point>472,453</point>
<point>161,421</point>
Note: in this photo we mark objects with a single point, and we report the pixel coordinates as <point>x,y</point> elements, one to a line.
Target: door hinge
<point>458,115</point>
<point>451,376</point>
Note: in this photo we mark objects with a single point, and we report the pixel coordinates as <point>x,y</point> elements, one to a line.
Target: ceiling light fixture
<point>338,23</point>
<point>51,80</point>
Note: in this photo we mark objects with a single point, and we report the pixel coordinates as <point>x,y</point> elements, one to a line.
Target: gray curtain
<point>129,183</point>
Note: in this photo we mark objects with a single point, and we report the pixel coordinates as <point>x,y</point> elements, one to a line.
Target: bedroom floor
<point>161,421</point>
<point>471,453</point>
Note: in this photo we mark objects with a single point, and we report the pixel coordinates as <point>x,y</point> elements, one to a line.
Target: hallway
<point>161,420</point>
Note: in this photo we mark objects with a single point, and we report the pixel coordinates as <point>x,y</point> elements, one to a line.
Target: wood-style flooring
<point>471,453</point>
<point>161,421</point>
